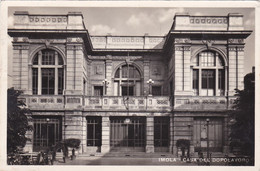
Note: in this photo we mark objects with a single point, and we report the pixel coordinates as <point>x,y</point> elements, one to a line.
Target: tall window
<point>208,74</point>
<point>47,73</point>
<point>127,81</point>
<point>93,131</point>
<point>46,132</point>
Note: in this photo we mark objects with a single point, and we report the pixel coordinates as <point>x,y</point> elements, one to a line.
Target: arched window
<point>47,73</point>
<point>127,81</point>
<point>208,74</point>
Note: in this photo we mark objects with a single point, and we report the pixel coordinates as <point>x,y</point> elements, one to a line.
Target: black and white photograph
<point>138,85</point>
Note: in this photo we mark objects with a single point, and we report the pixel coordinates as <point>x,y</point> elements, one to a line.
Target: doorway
<point>127,134</point>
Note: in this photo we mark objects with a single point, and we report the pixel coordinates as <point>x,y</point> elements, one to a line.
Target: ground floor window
<point>127,131</point>
<point>200,134</point>
<point>161,131</point>
<point>47,132</point>
<point>94,131</point>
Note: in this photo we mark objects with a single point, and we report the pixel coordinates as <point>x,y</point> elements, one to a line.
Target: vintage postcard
<point>162,84</point>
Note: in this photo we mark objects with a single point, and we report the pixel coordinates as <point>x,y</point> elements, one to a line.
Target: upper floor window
<point>127,81</point>
<point>208,74</point>
<point>47,73</point>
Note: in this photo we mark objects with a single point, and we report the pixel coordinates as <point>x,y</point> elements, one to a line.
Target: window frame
<point>214,65</point>
<point>57,65</point>
<point>123,80</point>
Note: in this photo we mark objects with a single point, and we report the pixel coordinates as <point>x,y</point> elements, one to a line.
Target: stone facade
<point>98,87</point>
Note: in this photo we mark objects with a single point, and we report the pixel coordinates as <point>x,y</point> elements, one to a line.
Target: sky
<point>136,21</point>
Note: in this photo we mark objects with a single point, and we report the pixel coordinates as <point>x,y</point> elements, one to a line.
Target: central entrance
<point>127,134</point>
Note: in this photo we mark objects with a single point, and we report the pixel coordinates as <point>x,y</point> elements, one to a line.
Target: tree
<point>243,127</point>
<point>17,121</point>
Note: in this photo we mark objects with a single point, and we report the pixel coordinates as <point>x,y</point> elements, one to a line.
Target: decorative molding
<point>236,48</point>
<point>21,47</point>
<point>185,48</point>
<point>236,41</point>
<point>208,43</point>
<point>208,20</point>
<point>74,47</point>
<point>48,19</point>
<point>132,58</point>
<point>182,40</point>
<point>47,42</point>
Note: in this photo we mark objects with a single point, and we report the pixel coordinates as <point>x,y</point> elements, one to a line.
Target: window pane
<point>204,79</point>
<point>48,81</point>
<point>221,81</point>
<point>207,59</point>
<point>60,60</point>
<point>208,79</point>
<point>35,80</point>
<point>48,57</point>
<point>117,73</point>
<point>211,79</point>
<point>35,61</point>
<point>60,80</point>
<point>195,79</point>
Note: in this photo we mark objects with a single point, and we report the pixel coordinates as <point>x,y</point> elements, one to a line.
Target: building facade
<point>128,93</point>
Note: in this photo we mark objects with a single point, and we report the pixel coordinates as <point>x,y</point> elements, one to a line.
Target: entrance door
<point>127,134</point>
<point>215,134</point>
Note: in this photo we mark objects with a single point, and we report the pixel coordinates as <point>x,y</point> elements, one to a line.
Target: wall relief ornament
<point>208,43</point>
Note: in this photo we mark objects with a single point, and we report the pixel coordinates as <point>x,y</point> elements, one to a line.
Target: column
<point>105,148</point>
<point>149,134</point>
<point>84,134</point>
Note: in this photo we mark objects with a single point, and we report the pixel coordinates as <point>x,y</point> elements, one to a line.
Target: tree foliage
<point>17,121</point>
<point>243,128</point>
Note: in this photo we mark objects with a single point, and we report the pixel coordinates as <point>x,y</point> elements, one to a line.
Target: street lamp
<point>207,138</point>
<point>150,82</point>
<point>47,120</point>
<point>105,82</point>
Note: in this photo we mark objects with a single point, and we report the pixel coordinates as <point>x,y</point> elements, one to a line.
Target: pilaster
<point>75,57</point>
<point>236,65</point>
<point>73,122</point>
<point>146,75</point>
<point>149,134</point>
<point>171,134</point>
<point>20,63</point>
<point>109,75</point>
<point>105,148</point>
<point>182,75</point>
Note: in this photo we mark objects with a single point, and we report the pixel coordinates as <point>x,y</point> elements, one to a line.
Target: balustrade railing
<point>203,102</point>
<point>158,103</point>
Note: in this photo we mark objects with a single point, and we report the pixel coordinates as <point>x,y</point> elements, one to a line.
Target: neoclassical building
<point>128,93</point>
